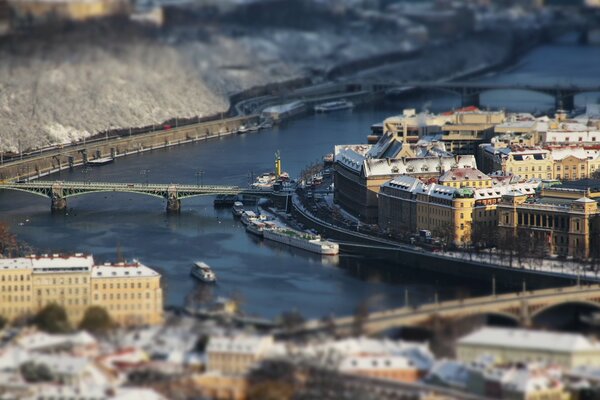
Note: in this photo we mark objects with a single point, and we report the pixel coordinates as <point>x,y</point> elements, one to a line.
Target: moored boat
<point>334,106</point>
<point>237,209</point>
<point>203,272</point>
<point>256,227</point>
<point>302,240</point>
<point>100,161</point>
<point>248,216</point>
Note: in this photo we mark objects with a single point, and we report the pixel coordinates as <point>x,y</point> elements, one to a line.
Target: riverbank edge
<point>423,259</point>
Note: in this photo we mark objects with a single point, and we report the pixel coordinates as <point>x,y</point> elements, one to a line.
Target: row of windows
<point>574,167</point>
<point>118,285</point>
<point>15,278</point>
<point>60,291</point>
<point>526,169</point>
<point>128,307</point>
<point>16,288</point>
<point>62,281</point>
<point>14,298</point>
<point>118,296</point>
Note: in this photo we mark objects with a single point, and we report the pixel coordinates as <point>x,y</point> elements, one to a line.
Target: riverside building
<point>360,170</point>
<point>458,214</point>
<point>130,293</point>
<point>562,221</point>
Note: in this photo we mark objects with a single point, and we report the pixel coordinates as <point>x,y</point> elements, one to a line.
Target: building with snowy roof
<point>130,292</point>
<point>359,171</point>
<point>511,345</point>
<point>560,221</point>
<point>455,214</point>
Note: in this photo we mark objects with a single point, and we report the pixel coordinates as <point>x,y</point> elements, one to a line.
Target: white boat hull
<point>315,246</point>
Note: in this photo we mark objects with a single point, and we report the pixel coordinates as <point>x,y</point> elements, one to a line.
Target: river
<point>268,278</point>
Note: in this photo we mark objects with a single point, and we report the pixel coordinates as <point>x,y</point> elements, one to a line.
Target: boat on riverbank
<point>248,216</point>
<point>337,105</point>
<point>200,270</point>
<point>100,161</point>
<point>283,111</point>
<point>238,209</point>
<point>302,240</point>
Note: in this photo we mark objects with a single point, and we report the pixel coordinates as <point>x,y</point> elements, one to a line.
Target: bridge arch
<point>505,315</point>
<point>71,195</point>
<point>42,193</point>
<point>540,311</point>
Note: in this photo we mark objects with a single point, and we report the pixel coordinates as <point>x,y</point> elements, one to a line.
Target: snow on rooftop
<point>75,263</point>
<point>122,270</point>
<point>244,344</point>
<point>529,339</point>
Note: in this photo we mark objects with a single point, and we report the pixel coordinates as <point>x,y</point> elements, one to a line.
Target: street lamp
<point>199,174</point>
<point>145,172</point>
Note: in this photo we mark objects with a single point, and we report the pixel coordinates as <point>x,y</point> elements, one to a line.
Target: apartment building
<point>407,205</point>
<point>465,177</point>
<point>411,126</point>
<point>469,128</point>
<point>360,170</point>
<point>131,293</point>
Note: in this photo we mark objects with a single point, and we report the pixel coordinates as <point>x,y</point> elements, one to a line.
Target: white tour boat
<point>302,240</point>
<point>248,216</point>
<point>202,271</point>
<point>334,106</point>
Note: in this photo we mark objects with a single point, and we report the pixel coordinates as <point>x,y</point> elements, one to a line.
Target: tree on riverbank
<point>8,241</point>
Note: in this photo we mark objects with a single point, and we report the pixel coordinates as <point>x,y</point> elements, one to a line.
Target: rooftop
<point>530,339</point>
<point>464,174</point>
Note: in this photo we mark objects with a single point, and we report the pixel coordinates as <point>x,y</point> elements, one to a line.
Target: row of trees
<point>53,319</point>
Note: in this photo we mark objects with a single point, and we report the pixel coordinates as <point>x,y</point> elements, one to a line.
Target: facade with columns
<point>563,222</point>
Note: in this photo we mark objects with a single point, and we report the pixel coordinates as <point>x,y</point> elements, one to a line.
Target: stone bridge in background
<point>59,191</point>
<point>564,94</point>
<point>521,307</point>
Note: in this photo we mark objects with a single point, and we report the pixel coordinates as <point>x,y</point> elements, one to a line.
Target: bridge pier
<point>173,202</point>
<point>173,206</point>
<point>469,99</point>
<point>59,202</point>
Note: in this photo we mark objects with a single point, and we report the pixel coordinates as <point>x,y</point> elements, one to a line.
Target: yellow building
<point>26,12</point>
<point>237,354</point>
<point>410,126</point>
<point>465,177</point>
<point>469,128</point>
<point>572,163</point>
<point>562,221</point>
<point>360,170</point>
<point>457,215</point>
<point>131,293</point>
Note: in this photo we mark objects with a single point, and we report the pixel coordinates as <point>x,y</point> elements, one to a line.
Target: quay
<point>58,158</point>
<point>415,257</point>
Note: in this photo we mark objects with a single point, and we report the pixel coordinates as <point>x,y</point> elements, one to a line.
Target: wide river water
<point>268,278</point>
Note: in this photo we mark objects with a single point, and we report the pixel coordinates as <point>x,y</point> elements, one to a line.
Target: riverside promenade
<point>512,271</point>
